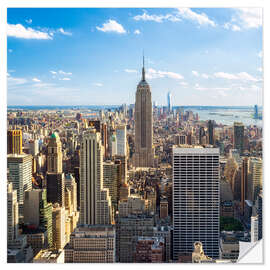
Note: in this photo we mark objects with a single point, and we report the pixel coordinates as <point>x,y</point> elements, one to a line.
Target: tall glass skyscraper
<point>195,200</point>
<point>238,137</point>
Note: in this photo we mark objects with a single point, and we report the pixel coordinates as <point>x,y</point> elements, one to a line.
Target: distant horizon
<point>119,105</point>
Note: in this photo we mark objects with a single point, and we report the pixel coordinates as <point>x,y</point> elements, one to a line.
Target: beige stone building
<point>91,244</point>
<point>95,202</point>
<point>59,226</point>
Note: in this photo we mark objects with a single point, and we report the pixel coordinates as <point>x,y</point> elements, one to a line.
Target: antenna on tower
<point>143,58</point>
<point>143,71</point>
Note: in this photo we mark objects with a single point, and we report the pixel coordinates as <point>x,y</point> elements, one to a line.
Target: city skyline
<point>96,53</point>
<point>166,166</point>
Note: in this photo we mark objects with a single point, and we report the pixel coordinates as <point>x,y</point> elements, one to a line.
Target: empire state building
<point>144,151</point>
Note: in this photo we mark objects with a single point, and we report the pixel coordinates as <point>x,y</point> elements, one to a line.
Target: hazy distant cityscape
<point>140,182</point>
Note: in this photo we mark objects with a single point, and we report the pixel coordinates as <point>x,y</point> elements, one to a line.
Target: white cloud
<point>130,70</point>
<point>236,28</point>
<point>36,80</point>
<point>19,31</point>
<point>112,26</point>
<point>249,17</point>
<point>12,81</point>
<point>182,13</point>
<point>64,79</point>
<point>201,88</point>
<point>98,84</point>
<point>42,85</point>
<point>153,74</point>
<point>53,72</point>
<point>137,32</point>
<point>259,69</point>
<point>260,54</point>
<point>205,76</point>
<point>200,18</point>
<point>238,76</point>
<point>230,26</point>
<point>246,77</point>
<point>195,73</point>
<point>8,74</point>
<point>29,21</point>
<point>156,18</point>
<point>224,75</point>
<point>62,31</point>
<point>64,73</point>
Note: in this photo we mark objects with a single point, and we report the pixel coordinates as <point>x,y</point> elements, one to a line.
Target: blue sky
<point>90,56</point>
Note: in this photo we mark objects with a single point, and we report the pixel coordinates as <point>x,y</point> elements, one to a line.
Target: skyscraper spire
<point>143,71</point>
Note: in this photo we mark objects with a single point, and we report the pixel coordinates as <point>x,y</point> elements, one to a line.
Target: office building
<point>132,205</point>
<point>18,250</point>
<point>58,226</point>
<point>227,209</point>
<point>127,229</point>
<point>121,138</point>
<point>55,178</point>
<point>144,151</point>
<point>149,250</point>
<point>104,138</point>
<point>20,174</point>
<point>124,192</point>
<point>196,200</point>
<point>12,214</point>
<point>211,132</point>
<point>244,183</point>
<point>123,167</point>
<point>37,237</point>
<point>38,212</point>
<point>54,156</point>
<point>259,203</point>
<point>255,167</point>
<point>202,136</point>
<point>113,144</point>
<point>110,181</point>
<point>238,137</point>
<point>56,188</point>
<point>151,196</point>
<point>229,246</point>
<point>165,231</point>
<point>163,208</point>
<point>254,233</point>
<point>95,205</point>
<point>91,244</point>
<point>182,139</point>
<point>71,185</point>
<point>14,142</point>
<point>33,147</point>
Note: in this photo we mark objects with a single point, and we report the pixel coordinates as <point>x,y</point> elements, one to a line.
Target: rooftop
<point>188,149</point>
